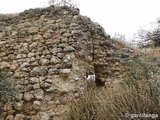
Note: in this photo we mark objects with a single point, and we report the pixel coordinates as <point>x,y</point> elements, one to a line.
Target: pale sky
<point>116,16</point>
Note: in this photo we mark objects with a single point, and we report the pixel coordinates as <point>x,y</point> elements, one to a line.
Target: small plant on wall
<point>7,89</point>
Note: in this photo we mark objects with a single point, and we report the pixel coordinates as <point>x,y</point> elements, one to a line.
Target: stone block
<point>38,94</point>
<point>65,71</point>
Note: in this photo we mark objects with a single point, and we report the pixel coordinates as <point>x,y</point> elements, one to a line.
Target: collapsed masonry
<point>50,52</point>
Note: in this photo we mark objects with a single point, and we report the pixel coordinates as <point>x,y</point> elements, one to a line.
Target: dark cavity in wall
<point>99,82</point>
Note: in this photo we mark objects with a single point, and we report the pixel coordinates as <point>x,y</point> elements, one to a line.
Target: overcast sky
<point>116,16</point>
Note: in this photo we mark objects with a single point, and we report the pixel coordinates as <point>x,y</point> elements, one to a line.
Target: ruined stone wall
<point>50,52</point>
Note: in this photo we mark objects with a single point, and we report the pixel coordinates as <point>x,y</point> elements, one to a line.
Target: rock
<point>4,65</point>
<point>17,74</point>
<point>8,28</point>
<point>19,87</point>
<point>25,65</point>
<point>47,35</point>
<point>59,50</point>
<point>67,65</point>
<point>31,55</point>
<point>53,71</point>
<point>33,45</point>
<point>13,67</point>
<point>65,71</point>
<point>19,106</point>
<point>28,117</point>
<point>78,19</point>
<point>48,56</point>
<point>36,86</point>
<point>76,11</point>
<point>56,41</point>
<point>42,71</point>
<point>14,33</point>
<point>50,90</point>
<point>44,62</point>
<point>62,45</point>
<point>64,40</point>
<point>10,117</point>
<point>45,85</point>
<point>34,72</point>
<point>54,60</point>
<point>127,50</point>
<point>7,107</point>
<point>18,56</point>
<point>2,42</point>
<point>25,70</point>
<point>46,52</point>
<point>107,43</point>
<point>76,95</point>
<point>33,59</point>
<point>57,102</point>
<point>124,55</point>
<point>19,96</point>
<point>54,51</point>
<point>2,54</point>
<point>34,64</point>
<point>66,35</point>
<point>37,37</point>
<point>28,96</point>
<point>36,105</point>
<point>11,112</point>
<point>33,80</point>
<point>48,97</point>
<point>2,34</point>
<point>64,101</point>
<point>69,49</point>
<point>38,94</point>
<point>74,25</point>
<point>19,117</point>
<point>60,55</point>
<point>77,32</point>
<point>43,116</point>
<point>33,30</point>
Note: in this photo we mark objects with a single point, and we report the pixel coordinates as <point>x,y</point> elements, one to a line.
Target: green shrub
<point>7,89</point>
<point>139,71</point>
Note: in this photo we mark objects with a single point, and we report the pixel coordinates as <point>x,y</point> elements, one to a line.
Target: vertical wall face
<point>50,52</point>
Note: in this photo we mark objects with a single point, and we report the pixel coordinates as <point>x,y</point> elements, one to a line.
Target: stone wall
<point>50,53</point>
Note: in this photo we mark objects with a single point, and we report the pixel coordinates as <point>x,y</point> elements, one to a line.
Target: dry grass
<point>8,15</point>
<point>138,93</point>
<point>119,44</point>
<point>154,53</point>
<point>113,103</point>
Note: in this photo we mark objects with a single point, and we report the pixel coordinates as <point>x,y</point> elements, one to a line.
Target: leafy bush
<point>139,71</point>
<point>7,89</point>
